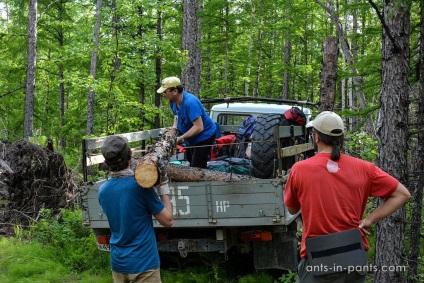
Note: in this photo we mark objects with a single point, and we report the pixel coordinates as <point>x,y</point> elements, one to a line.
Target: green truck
<point>243,217</point>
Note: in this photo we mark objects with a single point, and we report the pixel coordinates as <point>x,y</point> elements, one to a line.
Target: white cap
<point>169,82</point>
<point>328,123</point>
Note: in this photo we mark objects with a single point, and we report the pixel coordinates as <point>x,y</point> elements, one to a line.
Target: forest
<point>74,69</point>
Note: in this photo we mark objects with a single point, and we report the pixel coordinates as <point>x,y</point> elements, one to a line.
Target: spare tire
<point>263,154</point>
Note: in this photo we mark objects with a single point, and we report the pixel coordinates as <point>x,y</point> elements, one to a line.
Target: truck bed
<point>252,202</point>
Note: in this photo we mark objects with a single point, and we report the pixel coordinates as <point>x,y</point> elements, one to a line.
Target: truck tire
<point>263,154</point>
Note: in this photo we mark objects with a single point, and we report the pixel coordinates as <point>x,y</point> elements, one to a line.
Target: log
<point>179,173</point>
<point>153,165</point>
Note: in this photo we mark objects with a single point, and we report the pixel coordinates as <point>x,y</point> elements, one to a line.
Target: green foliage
<point>288,278</point>
<point>361,145</point>
<point>24,261</point>
<point>73,243</point>
<point>257,277</point>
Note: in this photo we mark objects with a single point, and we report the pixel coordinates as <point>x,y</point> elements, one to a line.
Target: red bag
<point>295,115</point>
<point>218,145</point>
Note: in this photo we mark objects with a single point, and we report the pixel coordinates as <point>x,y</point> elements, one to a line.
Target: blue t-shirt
<point>129,209</point>
<point>190,109</point>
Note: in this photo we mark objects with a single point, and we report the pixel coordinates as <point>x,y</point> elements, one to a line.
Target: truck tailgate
<point>252,202</point>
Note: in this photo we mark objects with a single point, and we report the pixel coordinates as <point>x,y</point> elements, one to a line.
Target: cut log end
<point>146,175</point>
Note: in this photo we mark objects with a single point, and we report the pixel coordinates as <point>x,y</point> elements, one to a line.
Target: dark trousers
<point>305,276</point>
<point>198,154</point>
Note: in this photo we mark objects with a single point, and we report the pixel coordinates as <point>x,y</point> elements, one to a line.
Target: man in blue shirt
<point>195,126</point>
<point>129,208</point>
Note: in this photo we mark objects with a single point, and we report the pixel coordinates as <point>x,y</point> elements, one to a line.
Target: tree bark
<point>30,74</point>
<point>190,77</point>
<point>328,75</point>
<point>152,166</point>
<point>392,130</point>
<point>178,173</point>
<point>417,183</point>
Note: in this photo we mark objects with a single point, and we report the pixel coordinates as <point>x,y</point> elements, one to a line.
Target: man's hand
<point>363,225</point>
<point>180,139</point>
<point>164,189</point>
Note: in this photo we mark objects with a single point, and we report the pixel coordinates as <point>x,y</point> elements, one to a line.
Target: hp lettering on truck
<point>236,204</point>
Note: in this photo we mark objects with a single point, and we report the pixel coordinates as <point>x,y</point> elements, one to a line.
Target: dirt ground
<point>32,177</point>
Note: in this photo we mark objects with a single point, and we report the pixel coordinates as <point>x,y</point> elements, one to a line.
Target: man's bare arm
<point>395,201</point>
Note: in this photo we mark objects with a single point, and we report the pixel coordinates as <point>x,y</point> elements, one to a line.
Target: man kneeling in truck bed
<point>129,208</point>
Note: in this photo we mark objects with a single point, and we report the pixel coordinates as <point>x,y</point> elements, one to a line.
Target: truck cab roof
<point>253,109</point>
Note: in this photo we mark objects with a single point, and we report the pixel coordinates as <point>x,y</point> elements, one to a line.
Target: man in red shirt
<point>331,189</point>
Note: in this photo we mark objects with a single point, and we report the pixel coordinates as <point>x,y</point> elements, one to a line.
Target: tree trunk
<point>93,67</point>
<point>111,110</point>
<point>152,166</point>
<point>61,40</point>
<point>227,28</point>
<point>418,181</point>
<point>178,173</point>
<point>30,74</point>
<point>393,133</point>
<point>190,77</point>
<point>158,68</point>
<point>140,84</point>
<point>328,74</point>
<point>249,54</point>
<point>287,58</point>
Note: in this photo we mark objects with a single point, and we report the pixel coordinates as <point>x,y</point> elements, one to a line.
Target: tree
<point>158,66</point>
<point>392,131</point>
<point>348,55</point>
<point>191,39</point>
<point>329,74</point>
<point>93,69</point>
<point>418,171</point>
<point>32,60</point>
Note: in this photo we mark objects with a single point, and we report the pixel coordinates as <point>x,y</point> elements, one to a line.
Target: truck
<point>245,217</point>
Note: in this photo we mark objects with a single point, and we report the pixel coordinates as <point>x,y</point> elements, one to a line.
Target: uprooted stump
<point>37,178</point>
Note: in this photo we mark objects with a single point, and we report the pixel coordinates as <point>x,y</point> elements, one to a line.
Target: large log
<point>179,173</point>
<point>152,165</point>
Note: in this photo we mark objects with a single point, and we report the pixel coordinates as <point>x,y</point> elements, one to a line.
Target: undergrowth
<point>58,249</point>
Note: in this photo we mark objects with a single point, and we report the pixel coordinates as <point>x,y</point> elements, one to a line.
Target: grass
<point>24,261</point>
<point>60,250</point>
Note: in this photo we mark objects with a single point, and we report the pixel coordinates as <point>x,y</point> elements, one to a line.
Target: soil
<point>32,177</point>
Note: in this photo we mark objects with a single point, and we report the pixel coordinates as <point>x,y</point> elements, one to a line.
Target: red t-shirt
<point>333,195</point>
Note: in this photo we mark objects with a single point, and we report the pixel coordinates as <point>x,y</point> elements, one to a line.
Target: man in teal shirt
<point>129,208</point>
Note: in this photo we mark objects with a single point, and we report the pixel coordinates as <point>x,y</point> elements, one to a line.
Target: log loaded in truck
<point>245,216</point>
